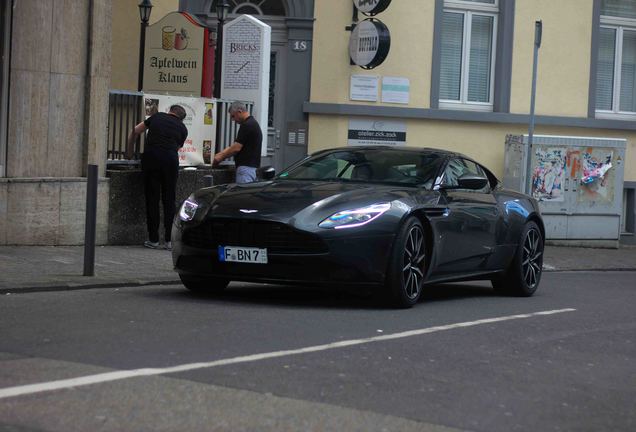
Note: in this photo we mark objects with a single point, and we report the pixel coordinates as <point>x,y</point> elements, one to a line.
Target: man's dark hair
<point>178,111</point>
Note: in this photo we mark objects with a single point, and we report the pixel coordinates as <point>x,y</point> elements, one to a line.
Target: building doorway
<point>289,68</point>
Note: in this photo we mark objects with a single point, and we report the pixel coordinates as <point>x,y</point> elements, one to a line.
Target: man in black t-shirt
<point>246,148</point>
<point>160,166</point>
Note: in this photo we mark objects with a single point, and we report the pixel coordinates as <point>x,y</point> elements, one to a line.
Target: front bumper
<point>354,260</point>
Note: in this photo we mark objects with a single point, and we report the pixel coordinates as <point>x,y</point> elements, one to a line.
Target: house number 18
<point>299,46</point>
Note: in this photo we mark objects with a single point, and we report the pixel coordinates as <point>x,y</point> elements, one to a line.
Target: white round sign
<point>369,43</point>
<point>371,7</point>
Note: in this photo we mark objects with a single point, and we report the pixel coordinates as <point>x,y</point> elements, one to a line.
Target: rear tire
<point>522,277</point>
<point>407,265</point>
<point>204,285</point>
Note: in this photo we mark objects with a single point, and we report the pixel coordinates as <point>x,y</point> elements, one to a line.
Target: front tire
<point>522,277</point>
<point>204,285</point>
<point>407,265</point>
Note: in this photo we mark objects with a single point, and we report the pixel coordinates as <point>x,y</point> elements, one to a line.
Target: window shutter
<point>605,71</point>
<point>451,56</point>
<point>628,72</point>
<point>480,56</point>
<point>619,8</point>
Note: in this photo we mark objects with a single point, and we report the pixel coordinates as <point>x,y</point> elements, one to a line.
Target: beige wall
<point>125,42</point>
<point>563,70</point>
<point>563,76</point>
<point>483,142</point>
<point>411,25</point>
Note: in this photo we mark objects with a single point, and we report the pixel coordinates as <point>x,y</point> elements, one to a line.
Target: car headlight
<point>356,217</point>
<point>188,209</point>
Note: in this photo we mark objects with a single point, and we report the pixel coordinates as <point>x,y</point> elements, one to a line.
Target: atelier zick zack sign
<point>369,44</point>
<point>371,7</point>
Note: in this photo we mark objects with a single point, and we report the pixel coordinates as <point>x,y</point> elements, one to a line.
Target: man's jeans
<point>245,174</point>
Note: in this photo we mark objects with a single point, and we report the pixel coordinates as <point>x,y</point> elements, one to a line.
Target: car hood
<point>284,200</point>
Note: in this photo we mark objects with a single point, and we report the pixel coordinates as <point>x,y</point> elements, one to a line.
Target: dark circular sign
<point>371,7</point>
<point>370,43</point>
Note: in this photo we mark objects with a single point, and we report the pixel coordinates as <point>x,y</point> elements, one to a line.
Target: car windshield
<point>389,166</point>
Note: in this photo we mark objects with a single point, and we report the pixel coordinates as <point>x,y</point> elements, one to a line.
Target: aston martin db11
<point>387,218</point>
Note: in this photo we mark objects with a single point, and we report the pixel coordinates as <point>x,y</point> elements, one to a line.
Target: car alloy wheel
<point>413,260</point>
<point>405,273</point>
<point>524,273</point>
<point>532,260</point>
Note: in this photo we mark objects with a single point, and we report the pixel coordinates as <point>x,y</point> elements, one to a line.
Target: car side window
<point>454,170</point>
<point>475,169</point>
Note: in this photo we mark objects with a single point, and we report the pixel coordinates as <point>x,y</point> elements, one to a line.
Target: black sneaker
<point>151,245</point>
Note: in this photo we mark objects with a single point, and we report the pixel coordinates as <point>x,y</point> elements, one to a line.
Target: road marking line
<point>119,375</point>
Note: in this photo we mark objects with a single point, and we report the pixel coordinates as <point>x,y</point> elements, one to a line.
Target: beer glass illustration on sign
<point>167,37</point>
<point>181,40</point>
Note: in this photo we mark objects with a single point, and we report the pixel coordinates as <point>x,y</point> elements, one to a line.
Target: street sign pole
<point>538,29</point>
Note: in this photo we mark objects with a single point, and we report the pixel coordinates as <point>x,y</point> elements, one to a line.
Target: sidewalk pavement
<point>48,268</point>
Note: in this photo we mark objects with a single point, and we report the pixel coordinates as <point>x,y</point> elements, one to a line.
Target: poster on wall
<point>376,132</point>
<point>364,88</point>
<point>596,174</point>
<point>200,122</point>
<point>548,176</point>
<point>396,90</point>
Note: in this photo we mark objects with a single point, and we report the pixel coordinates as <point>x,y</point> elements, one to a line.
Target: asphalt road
<point>269,358</point>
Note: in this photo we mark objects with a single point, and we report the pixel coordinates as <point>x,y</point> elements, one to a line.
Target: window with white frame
<point>468,49</point>
<point>616,67</point>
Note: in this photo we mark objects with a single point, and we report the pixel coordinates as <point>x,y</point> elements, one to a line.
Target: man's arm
<point>228,152</point>
<point>137,130</point>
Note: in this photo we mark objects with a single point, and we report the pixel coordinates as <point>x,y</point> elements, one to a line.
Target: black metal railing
<point>125,111</point>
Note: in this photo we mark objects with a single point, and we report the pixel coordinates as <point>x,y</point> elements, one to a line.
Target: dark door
<point>467,235</point>
<point>276,112</point>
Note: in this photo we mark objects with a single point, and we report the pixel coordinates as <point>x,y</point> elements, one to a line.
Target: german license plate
<point>242,254</point>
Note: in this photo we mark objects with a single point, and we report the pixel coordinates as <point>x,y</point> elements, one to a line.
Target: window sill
<point>608,115</point>
<point>465,106</point>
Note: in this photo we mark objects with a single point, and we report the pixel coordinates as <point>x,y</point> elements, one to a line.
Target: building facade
<point>464,70</point>
<point>55,76</point>
<point>292,24</point>
<point>458,76</point>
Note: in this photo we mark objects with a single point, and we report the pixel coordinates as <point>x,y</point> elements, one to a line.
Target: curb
<point>141,283</point>
<point>77,287</point>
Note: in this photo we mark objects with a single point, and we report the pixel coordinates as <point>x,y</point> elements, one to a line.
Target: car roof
<point>446,153</point>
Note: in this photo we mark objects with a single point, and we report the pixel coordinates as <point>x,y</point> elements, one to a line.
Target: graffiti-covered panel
<point>548,176</point>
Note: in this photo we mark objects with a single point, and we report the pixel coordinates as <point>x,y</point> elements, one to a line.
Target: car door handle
<point>437,212</point>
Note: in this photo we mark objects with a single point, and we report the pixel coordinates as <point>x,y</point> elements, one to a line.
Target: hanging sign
<point>178,57</point>
<point>369,44</point>
<point>371,7</point>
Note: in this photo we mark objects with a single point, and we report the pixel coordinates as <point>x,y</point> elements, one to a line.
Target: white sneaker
<point>168,246</point>
<point>151,245</point>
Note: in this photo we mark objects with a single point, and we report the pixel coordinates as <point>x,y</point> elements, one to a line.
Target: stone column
<point>98,84</point>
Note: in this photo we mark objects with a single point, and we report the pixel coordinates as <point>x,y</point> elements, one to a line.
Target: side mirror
<point>266,173</point>
<point>472,181</point>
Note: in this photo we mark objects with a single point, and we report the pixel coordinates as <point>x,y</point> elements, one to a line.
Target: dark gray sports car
<point>389,218</point>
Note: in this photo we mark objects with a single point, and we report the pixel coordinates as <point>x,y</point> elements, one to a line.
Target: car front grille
<point>277,237</point>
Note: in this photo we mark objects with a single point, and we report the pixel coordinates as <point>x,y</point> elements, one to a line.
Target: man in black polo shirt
<point>160,166</point>
<point>246,148</point>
